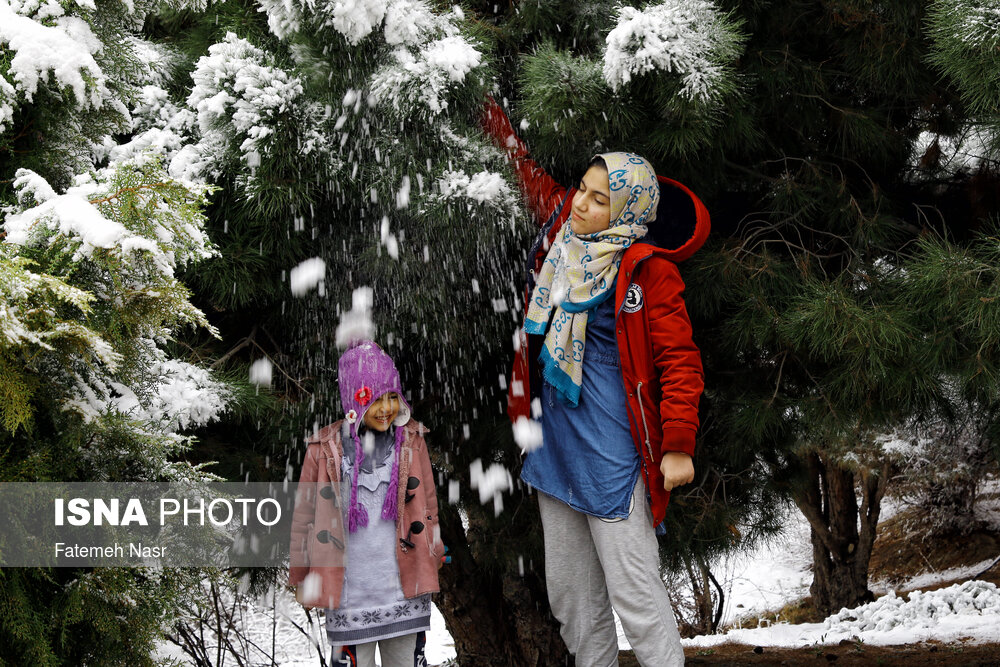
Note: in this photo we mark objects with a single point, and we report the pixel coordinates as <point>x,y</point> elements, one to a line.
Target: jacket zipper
<point>642,414</point>
<point>645,427</point>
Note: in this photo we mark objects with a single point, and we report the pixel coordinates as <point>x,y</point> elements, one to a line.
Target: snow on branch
<point>354,19</point>
<point>62,49</point>
<point>978,23</point>
<point>410,22</point>
<point>688,38</point>
<point>180,396</point>
<point>82,219</point>
<point>424,79</point>
<point>483,187</point>
<point>406,22</point>
<point>239,95</point>
<point>428,53</point>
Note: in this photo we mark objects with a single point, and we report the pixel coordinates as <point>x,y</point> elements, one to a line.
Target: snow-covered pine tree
<point>94,234</point>
<point>848,163</point>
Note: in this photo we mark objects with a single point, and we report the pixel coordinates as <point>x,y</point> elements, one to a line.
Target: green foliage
<point>965,37</point>
<point>107,616</point>
<point>570,110</point>
<point>84,314</point>
<point>41,316</point>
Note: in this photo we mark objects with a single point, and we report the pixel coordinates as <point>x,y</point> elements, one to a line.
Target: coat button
<point>412,483</point>
<point>325,537</point>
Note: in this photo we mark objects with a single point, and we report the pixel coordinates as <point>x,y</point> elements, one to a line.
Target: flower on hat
<point>363,395</point>
<point>352,416</point>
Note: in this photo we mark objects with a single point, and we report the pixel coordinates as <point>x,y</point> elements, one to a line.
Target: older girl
<point>607,356</point>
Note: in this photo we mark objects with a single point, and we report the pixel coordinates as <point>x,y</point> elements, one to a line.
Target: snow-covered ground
<point>970,611</point>
<point>776,574</point>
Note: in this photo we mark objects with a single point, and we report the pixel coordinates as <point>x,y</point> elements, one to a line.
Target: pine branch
<point>120,192</point>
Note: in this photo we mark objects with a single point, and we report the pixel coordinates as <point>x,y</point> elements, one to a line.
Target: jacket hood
<point>682,222</point>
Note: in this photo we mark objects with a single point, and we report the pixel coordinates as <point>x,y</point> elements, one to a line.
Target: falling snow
<point>491,483</point>
<point>308,275</point>
<point>527,434</point>
<point>261,371</point>
<point>357,324</point>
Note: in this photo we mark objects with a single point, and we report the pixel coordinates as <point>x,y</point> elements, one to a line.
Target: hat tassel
<point>357,516</point>
<point>391,504</point>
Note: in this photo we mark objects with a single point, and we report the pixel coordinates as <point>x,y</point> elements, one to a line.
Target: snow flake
<point>261,372</point>
<point>307,275</point>
<point>491,483</point>
<point>356,324</point>
<point>527,434</point>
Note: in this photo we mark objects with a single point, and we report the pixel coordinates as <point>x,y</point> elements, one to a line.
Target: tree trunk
<point>496,618</point>
<point>842,533</point>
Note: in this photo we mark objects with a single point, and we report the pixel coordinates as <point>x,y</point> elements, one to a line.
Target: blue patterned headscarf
<point>579,272</point>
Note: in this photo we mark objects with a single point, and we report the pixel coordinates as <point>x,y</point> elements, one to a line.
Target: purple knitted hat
<point>366,372</point>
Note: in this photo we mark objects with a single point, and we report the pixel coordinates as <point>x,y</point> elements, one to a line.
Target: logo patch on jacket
<point>633,299</point>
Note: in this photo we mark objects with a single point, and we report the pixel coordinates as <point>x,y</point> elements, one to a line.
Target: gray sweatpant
<point>395,652</point>
<point>592,565</point>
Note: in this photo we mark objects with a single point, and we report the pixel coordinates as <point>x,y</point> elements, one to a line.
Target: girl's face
<point>592,203</point>
<point>382,412</point>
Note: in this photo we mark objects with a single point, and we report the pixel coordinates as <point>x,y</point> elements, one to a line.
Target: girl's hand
<point>677,470</point>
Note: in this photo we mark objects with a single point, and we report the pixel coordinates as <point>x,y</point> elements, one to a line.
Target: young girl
<point>607,355</point>
<point>365,537</point>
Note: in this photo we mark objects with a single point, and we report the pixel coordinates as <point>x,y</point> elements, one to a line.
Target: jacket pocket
<point>310,542</point>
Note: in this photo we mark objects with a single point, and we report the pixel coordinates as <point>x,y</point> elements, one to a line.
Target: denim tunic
<point>588,459</point>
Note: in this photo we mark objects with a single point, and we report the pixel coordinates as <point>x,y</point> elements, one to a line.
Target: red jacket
<point>318,542</point>
<point>660,364</point>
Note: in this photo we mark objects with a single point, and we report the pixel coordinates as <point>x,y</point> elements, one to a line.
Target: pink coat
<point>318,543</point>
